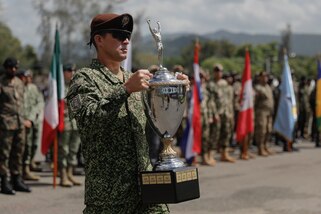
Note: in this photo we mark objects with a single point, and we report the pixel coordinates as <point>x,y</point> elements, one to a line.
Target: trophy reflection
<point>164,104</point>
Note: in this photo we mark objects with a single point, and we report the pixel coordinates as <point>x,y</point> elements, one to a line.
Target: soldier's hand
<point>181,76</point>
<point>216,118</point>
<point>27,123</point>
<point>138,81</point>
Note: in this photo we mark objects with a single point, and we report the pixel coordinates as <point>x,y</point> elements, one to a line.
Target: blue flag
<point>287,112</point>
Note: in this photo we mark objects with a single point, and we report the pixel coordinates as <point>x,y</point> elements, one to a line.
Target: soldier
<point>221,127</point>
<point>230,105</point>
<point>33,106</point>
<point>263,107</point>
<point>12,130</point>
<point>207,111</point>
<point>70,140</point>
<point>106,103</point>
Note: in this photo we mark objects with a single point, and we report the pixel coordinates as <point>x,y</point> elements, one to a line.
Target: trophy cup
<point>171,181</point>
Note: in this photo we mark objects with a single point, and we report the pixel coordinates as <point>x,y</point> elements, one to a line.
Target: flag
<point>318,97</point>
<point>192,136</point>
<point>245,124</point>
<point>54,108</point>
<point>287,112</point>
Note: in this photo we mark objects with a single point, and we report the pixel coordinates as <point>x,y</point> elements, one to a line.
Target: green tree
<point>10,46</point>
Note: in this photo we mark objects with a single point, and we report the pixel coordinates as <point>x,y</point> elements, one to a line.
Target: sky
<point>192,16</point>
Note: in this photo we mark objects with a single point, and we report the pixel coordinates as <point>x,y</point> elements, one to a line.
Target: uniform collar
<point>95,64</point>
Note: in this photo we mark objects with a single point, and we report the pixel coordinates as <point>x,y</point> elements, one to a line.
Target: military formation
<point>220,107</point>
<point>21,120</point>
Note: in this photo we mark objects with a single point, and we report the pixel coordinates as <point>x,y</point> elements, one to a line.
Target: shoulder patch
<point>75,103</point>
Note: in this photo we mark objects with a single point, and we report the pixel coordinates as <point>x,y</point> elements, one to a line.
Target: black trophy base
<point>171,186</point>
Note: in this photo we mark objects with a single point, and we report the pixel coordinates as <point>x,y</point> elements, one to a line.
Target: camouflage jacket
<point>11,103</point>
<point>33,104</point>
<point>218,92</point>
<point>69,123</point>
<point>111,124</point>
<point>264,102</point>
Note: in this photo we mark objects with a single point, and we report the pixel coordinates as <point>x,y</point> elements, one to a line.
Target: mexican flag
<point>54,108</point>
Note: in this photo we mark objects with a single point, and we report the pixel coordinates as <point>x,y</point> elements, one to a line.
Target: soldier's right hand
<point>138,81</point>
<point>27,123</point>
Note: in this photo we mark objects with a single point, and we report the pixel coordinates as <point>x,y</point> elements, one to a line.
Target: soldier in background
<point>221,128</point>
<point>207,115</point>
<point>12,132</point>
<point>264,108</point>
<point>33,106</point>
<point>315,132</point>
<point>305,109</point>
<point>230,106</point>
<point>70,140</point>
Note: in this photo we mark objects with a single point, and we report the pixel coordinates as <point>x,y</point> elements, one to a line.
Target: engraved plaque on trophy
<point>171,181</point>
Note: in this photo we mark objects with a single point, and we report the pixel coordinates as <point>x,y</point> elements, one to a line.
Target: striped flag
<point>192,137</point>
<point>54,109</point>
<point>245,124</point>
<point>318,97</point>
<point>287,112</point>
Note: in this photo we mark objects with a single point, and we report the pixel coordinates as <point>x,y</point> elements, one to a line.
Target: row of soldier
<point>220,107</point>
<point>21,116</point>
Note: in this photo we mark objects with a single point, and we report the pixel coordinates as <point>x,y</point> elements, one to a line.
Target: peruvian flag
<point>245,116</point>
<point>192,137</point>
<point>54,108</point>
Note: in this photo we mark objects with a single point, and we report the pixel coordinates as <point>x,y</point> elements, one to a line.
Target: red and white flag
<point>245,116</point>
<point>54,109</point>
<point>192,136</point>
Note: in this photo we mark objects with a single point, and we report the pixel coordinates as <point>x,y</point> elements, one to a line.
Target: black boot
<point>6,187</point>
<point>19,185</point>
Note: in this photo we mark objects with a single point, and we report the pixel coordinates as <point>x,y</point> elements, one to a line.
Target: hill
<point>302,44</point>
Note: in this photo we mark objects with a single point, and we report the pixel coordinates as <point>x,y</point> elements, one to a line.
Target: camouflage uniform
<point>111,124</point>
<point>237,87</point>
<point>33,107</point>
<point>221,130</point>
<point>12,130</point>
<point>207,111</point>
<point>70,140</point>
<point>264,107</point>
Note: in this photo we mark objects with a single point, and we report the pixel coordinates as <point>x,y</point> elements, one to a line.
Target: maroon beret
<point>111,21</point>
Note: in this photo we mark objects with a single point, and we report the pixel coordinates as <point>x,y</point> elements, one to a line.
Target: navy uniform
<point>106,103</point>
<point>12,130</point>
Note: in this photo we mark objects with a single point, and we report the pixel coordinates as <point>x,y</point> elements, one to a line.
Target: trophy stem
<point>168,159</point>
<point>167,150</point>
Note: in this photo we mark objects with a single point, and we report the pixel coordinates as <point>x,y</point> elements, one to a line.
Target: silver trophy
<point>164,104</point>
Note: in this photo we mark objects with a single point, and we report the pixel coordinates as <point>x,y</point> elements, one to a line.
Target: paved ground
<point>286,183</point>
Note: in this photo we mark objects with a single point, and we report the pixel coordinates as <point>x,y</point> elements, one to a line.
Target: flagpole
<point>55,160</point>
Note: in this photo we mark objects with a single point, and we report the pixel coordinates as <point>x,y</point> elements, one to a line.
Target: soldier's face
<point>112,47</point>
<point>11,71</point>
<point>68,76</point>
<point>218,74</point>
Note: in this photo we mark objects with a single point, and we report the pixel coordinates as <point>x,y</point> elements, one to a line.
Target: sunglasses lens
<point>121,35</point>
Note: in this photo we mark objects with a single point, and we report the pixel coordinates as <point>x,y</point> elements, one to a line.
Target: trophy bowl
<point>164,104</point>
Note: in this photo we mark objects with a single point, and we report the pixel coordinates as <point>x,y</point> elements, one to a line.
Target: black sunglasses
<point>119,34</point>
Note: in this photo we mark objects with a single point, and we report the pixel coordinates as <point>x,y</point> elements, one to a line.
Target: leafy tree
<point>10,46</point>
